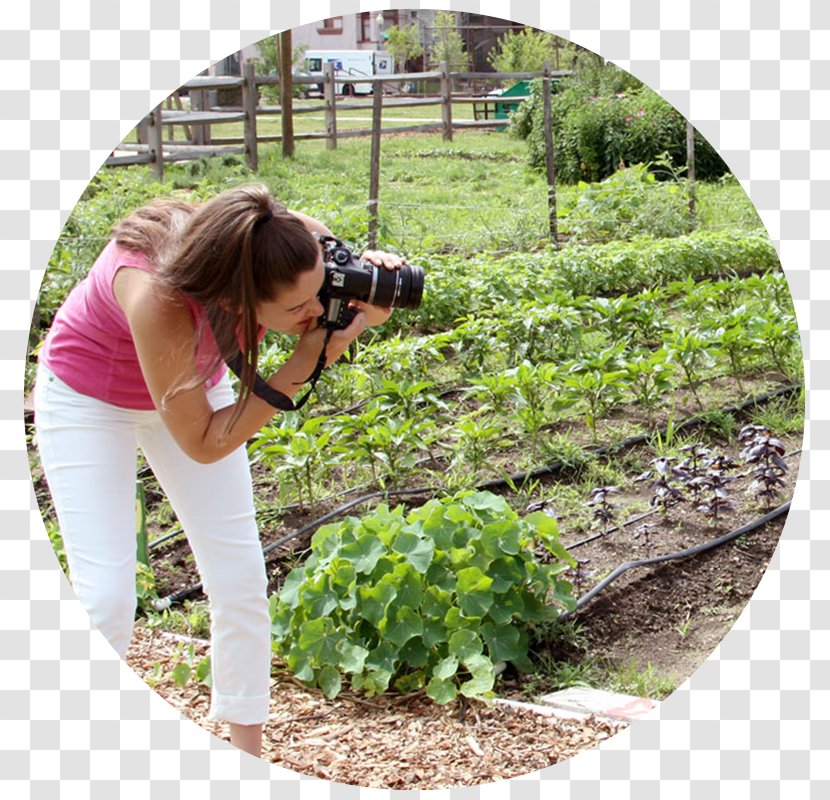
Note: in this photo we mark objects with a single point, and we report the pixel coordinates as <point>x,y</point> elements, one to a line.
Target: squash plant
<point>431,599</point>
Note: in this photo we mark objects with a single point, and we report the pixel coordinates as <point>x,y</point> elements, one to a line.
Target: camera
<point>348,278</point>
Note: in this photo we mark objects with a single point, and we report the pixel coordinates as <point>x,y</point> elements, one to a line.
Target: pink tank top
<point>90,347</point>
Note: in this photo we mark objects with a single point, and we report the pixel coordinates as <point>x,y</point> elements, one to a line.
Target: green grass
<point>473,194</point>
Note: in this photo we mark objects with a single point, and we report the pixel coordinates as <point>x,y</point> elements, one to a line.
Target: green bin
<point>503,109</point>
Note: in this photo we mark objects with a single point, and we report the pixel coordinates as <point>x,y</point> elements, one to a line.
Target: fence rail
<point>153,148</point>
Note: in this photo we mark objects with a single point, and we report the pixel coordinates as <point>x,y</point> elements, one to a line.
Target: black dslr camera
<point>347,278</point>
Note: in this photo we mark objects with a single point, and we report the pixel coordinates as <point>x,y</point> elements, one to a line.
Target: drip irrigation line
<point>176,597</point>
<point>181,594</point>
<point>557,466</point>
<point>691,551</point>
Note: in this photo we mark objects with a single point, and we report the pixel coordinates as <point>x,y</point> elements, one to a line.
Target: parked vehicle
<point>348,64</point>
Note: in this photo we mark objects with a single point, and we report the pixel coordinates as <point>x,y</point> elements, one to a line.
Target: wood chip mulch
<point>391,742</point>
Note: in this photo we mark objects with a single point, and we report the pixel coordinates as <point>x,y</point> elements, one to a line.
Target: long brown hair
<point>234,251</point>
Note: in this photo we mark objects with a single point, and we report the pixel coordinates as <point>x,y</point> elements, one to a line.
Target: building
<point>365,31</point>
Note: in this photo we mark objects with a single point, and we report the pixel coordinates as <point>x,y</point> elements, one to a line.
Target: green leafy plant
<point>431,599</point>
<point>299,454</point>
<point>649,379</point>
<point>599,381</point>
<point>631,202</point>
<point>689,348</point>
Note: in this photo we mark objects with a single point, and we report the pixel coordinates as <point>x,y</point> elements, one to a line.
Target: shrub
<point>629,203</point>
<point>596,135</point>
<point>434,598</point>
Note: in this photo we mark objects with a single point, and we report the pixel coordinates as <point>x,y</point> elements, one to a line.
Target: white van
<point>350,63</point>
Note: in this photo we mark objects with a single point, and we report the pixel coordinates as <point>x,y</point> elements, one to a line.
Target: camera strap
<point>274,397</point>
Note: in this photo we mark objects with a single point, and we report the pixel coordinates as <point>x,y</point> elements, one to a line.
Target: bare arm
<point>164,337</point>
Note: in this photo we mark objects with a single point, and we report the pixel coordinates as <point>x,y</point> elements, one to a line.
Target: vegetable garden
<point>566,467</point>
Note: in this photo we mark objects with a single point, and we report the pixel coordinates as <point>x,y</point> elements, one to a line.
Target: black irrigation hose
<point>181,594</point>
<point>691,551</point>
<point>557,466</point>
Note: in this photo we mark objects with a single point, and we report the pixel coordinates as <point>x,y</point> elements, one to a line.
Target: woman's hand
<point>379,258</point>
<point>377,315</point>
<point>310,344</point>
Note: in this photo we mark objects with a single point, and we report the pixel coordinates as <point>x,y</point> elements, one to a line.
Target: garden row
<point>500,392</point>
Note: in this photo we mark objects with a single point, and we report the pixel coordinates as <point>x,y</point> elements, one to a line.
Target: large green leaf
<point>384,657</point>
<point>417,551</point>
<point>436,602</point>
<point>290,591</point>
<point>504,642</point>
<point>445,668</point>
<point>474,589</point>
<point>318,598</point>
<point>414,652</point>
<point>352,657</point>
<point>439,528</point>
<point>464,644</point>
<point>506,573</point>
<point>320,639</point>
<point>442,691</point>
<point>401,625</point>
<point>501,537</point>
<point>374,600</point>
<point>409,585</point>
<point>435,632</point>
<point>329,680</point>
<point>364,553</point>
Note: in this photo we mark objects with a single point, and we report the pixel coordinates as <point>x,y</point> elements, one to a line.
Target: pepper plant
<point>649,378</point>
<point>302,455</point>
<point>690,349</point>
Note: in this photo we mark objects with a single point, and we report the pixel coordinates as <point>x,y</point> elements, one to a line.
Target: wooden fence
<point>153,148</point>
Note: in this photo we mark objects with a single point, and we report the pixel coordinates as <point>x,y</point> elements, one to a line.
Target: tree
<point>447,44</point>
<point>403,43</point>
<point>528,49</point>
<point>268,63</point>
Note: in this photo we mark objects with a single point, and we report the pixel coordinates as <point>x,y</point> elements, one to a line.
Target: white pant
<point>88,451</point>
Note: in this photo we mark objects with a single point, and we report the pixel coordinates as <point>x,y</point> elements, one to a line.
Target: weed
<point>784,415</point>
<point>683,627</point>
<point>641,682</point>
<point>720,424</point>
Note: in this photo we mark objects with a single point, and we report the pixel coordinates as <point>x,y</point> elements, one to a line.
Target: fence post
<point>197,103</point>
<point>374,173</point>
<point>156,143</point>
<point>286,94</point>
<point>250,100</point>
<point>446,100</point>
<point>331,110</point>
<point>547,92</point>
<point>690,167</point>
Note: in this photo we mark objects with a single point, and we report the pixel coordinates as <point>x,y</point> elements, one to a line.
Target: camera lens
<point>400,288</point>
